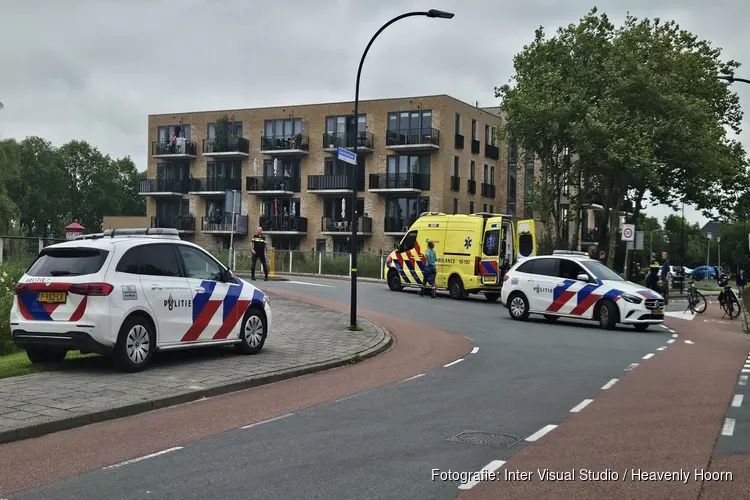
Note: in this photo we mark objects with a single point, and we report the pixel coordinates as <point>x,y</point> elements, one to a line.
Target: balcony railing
<point>223,224</point>
<point>474,147</point>
<point>398,224</point>
<point>283,143</point>
<point>218,147</point>
<point>167,148</point>
<point>459,142</point>
<point>492,152</point>
<point>331,225</point>
<point>590,237</point>
<point>471,186</point>
<point>178,186</point>
<point>215,184</point>
<point>283,224</point>
<point>488,190</point>
<point>330,183</point>
<point>413,137</point>
<point>408,180</point>
<point>282,184</point>
<point>455,183</point>
<point>182,222</point>
<point>364,140</point>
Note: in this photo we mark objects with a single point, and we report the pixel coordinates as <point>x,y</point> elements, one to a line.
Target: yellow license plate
<point>490,280</point>
<point>658,312</point>
<point>53,297</point>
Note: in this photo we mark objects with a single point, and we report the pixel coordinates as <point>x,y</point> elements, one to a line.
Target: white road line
<point>475,350</point>
<point>728,428</point>
<point>743,380</point>
<point>670,341</point>
<point>737,401</point>
<point>490,467</point>
<point>609,384</point>
<point>412,378</point>
<point>453,363</point>
<point>583,404</point>
<point>746,370</point>
<point>541,432</point>
<point>672,331</point>
<point>152,455</point>
<point>665,327</point>
<point>674,335</point>
<point>689,342</point>
<point>662,348</point>
<point>649,355</point>
<point>632,365</point>
<point>310,284</point>
<point>266,421</point>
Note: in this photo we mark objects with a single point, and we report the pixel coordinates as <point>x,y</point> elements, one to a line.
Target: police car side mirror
<point>583,277</point>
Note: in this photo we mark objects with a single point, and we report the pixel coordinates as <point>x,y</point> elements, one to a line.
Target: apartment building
<point>415,154</point>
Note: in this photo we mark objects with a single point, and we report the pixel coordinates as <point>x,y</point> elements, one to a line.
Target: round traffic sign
<point>628,232</point>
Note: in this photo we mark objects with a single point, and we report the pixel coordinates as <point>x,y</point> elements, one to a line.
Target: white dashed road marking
<point>674,335</point>
<point>632,365</point>
<point>649,355</point>
<point>267,421</point>
<point>670,341</point>
<point>728,428</point>
<point>412,378</point>
<point>152,455</point>
<point>662,348</point>
<point>737,401</point>
<point>490,467</point>
<point>541,432</point>
<point>475,350</point>
<point>689,342</point>
<point>580,406</point>
<point>743,380</point>
<point>310,284</point>
<point>453,363</point>
<point>609,384</point>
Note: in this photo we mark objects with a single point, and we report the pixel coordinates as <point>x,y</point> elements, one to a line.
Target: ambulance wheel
<point>518,306</point>
<point>492,297</point>
<point>456,288</point>
<point>607,314</point>
<point>394,281</point>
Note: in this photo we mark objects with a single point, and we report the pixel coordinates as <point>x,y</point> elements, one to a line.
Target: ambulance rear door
<point>492,251</point>
<point>525,239</point>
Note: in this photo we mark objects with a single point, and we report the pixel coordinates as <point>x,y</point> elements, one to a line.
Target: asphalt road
<point>385,443</point>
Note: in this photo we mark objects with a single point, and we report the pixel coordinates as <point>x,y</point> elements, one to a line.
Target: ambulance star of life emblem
<point>491,241</point>
<point>467,243</point>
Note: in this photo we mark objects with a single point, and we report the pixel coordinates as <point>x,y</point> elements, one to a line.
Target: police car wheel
<point>394,281</point>
<point>253,333</point>
<point>518,306</point>
<point>135,344</point>
<point>607,315</point>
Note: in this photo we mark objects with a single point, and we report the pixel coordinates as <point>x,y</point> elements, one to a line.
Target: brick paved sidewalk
<point>304,338</point>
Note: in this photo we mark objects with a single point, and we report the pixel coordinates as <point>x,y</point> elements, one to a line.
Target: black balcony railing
<point>231,145</point>
<point>181,222</point>
<point>292,184</point>
<point>590,236</point>
<point>173,148</point>
<point>332,225</point>
<point>488,190</point>
<point>474,147</point>
<point>459,141</point>
<point>408,180</point>
<point>413,137</point>
<point>455,183</point>
<point>332,182</point>
<point>471,186</point>
<point>283,223</point>
<point>224,224</point>
<point>164,186</point>
<point>215,184</point>
<point>285,142</point>
<point>492,152</point>
<point>364,140</point>
<point>398,224</point>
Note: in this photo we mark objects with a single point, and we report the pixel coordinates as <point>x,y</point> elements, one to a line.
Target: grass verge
<point>13,365</point>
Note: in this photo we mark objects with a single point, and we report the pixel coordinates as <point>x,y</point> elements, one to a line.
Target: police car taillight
<point>95,289</point>
<point>505,278</point>
<point>21,287</point>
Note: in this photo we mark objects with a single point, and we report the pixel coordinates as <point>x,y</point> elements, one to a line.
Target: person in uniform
<point>430,270</point>
<point>664,276</point>
<point>652,278</point>
<point>259,252</point>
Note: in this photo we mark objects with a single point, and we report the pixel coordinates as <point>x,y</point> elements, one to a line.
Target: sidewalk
<point>305,338</point>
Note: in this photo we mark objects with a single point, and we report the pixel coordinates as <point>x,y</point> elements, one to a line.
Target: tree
<point>130,202</point>
<point>10,157</point>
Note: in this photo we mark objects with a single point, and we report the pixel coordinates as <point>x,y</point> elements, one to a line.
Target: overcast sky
<point>94,70</point>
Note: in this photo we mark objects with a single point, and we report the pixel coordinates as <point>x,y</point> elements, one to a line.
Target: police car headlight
<point>633,299</point>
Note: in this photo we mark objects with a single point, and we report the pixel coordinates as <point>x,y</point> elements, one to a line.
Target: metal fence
<point>23,249</point>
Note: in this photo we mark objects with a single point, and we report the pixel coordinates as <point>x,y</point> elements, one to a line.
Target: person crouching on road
<point>259,252</point>
<point>430,270</point>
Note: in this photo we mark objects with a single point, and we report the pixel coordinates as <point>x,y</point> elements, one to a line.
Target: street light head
<point>440,13</point>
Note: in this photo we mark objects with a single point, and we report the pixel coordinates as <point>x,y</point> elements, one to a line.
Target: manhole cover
<point>485,439</point>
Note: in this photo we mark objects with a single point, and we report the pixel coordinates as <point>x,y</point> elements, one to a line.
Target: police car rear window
<point>68,262</point>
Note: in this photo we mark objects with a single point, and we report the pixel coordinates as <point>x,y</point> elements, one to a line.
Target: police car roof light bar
<point>568,252</point>
<point>158,232</point>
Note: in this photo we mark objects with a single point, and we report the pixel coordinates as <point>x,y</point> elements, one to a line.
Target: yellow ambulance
<point>473,252</point>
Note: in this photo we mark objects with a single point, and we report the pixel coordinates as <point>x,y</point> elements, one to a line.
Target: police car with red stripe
<point>572,285</point>
<point>129,293</point>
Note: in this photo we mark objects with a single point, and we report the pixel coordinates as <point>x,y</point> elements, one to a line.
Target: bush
<point>10,273</point>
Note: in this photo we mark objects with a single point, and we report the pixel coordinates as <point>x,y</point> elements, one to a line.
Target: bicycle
<point>727,299</point>
<point>696,301</point>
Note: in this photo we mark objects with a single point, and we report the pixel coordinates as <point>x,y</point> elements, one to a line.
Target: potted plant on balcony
<point>298,141</point>
<point>221,134</point>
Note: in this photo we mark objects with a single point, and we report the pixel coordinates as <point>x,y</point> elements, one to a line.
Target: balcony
<point>283,225</point>
<point>412,139</point>
<point>397,183</point>
<point>594,202</point>
<point>285,145</point>
<point>183,223</point>
<point>364,140</point>
<point>330,184</point>
<point>590,236</point>
<point>332,227</point>
<point>488,190</point>
<point>223,225</point>
<point>475,147</point>
<point>234,147</point>
<point>398,226</point>
<point>471,186</point>
<point>181,150</point>
<point>273,185</point>
<point>455,183</point>
<point>163,187</point>
<point>491,152</point>
<point>213,186</point>
<point>459,141</point>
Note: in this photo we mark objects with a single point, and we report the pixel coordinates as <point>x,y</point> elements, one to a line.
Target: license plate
<point>490,280</point>
<point>658,312</point>
<point>53,297</point>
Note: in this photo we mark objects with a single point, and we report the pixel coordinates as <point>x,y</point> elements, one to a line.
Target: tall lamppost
<point>732,79</point>
<point>355,167</point>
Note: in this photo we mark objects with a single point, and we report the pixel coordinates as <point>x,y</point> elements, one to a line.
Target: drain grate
<point>485,439</point>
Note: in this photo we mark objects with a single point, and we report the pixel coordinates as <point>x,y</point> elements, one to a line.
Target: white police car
<point>132,292</point>
<point>570,284</point>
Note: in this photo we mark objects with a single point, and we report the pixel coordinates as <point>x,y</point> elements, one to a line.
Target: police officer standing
<point>664,276</point>
<point>652,278</point>
<point>259,252</point>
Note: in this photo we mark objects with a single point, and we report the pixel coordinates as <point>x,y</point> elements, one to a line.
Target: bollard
<point>350,265</point>
<point>272,263</point>
<point>291,254</point>
<point>320,261</point>
<point>382,267</point>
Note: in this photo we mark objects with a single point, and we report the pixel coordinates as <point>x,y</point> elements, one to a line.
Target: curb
<point>316,275</point>
<point>145,406</point>
<point>246,275</point>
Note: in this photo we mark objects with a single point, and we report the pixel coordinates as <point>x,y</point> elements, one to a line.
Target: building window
<point>166,132</point>
<point>492,137</point>
<point>410,164</point>
<point>332,208</point>
<point>487,134</point>
<point>455,166</point>
<point>341,125</point>
<point>471,207</point>
<point>511,209</point>
<point>227,169</point>
<point>484,207</point>
<point>512,173</point>
<point>402,212</point>
<point>528,187</point>
<point>455,206</point>
<point>492,209</point>
<point>285,242</point>
<point>320,245</point>
<point>405,121</point>
<point>474,130</point>
<point>486,174</point>
<point>565,184</point>
<point>280,207</point>
<point>458,124</point>
<point>492,175</point>
<point>471,171</point>
<point>235,129</point>
<point>283,128</point>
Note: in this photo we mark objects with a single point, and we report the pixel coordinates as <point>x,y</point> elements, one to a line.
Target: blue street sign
<point>346,155</point>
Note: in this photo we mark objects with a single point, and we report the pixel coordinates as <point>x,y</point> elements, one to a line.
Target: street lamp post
<point>732,79</point>
<point>354,243</point>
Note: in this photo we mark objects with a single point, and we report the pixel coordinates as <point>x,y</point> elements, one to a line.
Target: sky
<point>94,70</point>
